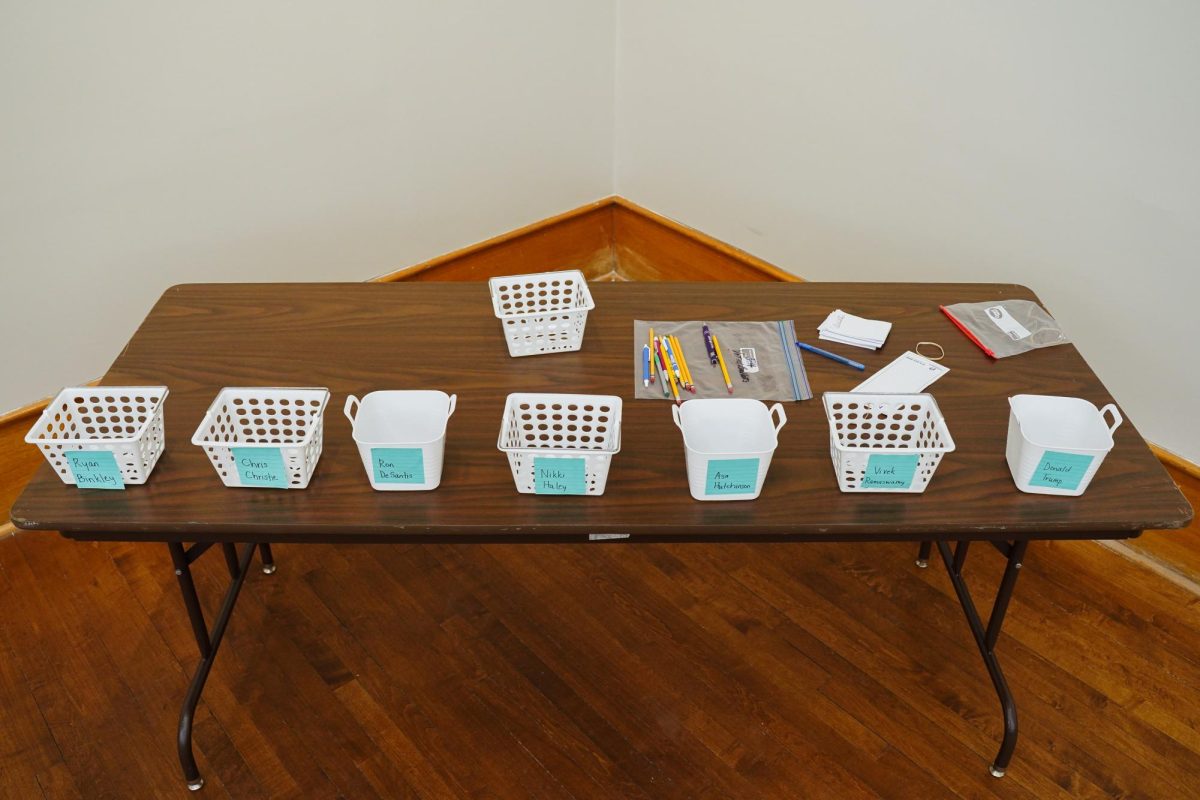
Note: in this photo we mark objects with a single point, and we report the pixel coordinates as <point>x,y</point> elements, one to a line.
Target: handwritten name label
<point>887,471</point>
<point>731,476</point>
<point>260,466</point>
<point>559,476</point>
<point>94,469</point>
<point>1060,470</point>
<point>398,464</point>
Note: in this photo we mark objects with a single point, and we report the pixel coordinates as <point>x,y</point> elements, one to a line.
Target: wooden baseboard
<point>610,239</point>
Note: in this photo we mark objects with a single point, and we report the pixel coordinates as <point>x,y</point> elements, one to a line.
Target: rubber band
<point>942,351</point>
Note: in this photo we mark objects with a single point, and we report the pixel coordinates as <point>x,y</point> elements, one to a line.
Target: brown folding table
<point>355,338</point>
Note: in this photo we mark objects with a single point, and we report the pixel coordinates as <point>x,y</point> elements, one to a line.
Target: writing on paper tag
<point>260,466</point>
<point>908,374</point>
<point>559,476</point>
<point>600,537</point>
<point>1060,470</point>
<point>749,359</point>
<point>94,469</point>
<point>398,464</point>
<point>731,476</point>
<point>1005,322</point>
<point>886,471</point>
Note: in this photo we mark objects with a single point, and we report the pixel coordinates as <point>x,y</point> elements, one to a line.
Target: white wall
<point>146,143</point>
<point>1051,144</point>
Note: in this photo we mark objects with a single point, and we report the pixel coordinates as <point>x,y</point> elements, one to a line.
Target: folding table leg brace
<point>985,638</point>
<point>208,643</point>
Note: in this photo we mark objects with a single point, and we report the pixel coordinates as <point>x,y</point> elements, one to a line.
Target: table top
<point>355,338</point>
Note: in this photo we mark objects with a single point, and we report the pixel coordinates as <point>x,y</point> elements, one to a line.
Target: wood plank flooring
<point>594,671</point>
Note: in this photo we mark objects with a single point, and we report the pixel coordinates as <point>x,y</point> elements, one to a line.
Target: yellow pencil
<point>653,361</point>
<point>721,361</point>
<point>687,373</point>
<point>670,377</point>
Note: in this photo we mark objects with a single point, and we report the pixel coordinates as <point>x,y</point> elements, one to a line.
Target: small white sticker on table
<point>599,537</point>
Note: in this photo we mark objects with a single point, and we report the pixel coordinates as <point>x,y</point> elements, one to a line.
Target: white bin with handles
<point>729,444</point>
<point>401,437</point>
<point>1056,444</point>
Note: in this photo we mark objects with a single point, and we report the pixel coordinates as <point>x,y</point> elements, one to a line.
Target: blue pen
<point>645,365</point>
<point>829,355</point>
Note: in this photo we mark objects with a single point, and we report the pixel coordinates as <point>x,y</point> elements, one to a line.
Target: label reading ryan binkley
<point>94,469</point>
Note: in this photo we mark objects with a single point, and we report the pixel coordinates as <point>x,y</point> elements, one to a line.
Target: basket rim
<point>938,419</point>
<point>588,303</point>
<point>31,438</point>
<point>610,449</point>
<point>201,441</point>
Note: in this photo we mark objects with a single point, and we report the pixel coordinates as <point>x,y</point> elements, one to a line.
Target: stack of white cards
<point>849,329</point>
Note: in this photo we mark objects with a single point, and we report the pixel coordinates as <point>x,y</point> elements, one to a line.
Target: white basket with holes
<point>542,313</point>
<point>560,443</point>
<point>261,437</point>
<point>885,442</point>
<point>102,437</point>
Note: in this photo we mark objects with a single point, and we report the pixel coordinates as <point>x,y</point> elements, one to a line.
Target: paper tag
<point>749,359</point>
<point>731,476</point>
<point>260,466</point>
<point>559,476</point>
<point>94,469</point>
<point>1005,322</point>
<point>1060,470</point>
<point>885,471</point>
<point>908,374</point>
<point>398,464</point>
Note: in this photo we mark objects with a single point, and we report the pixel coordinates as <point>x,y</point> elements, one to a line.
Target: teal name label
<point>1060,470</point>
<point>94,469</point>
<point>398,464</point>
<point>559,476</point>
<point>260,466</point>
<point>731,476</point>
<point>890,471</point>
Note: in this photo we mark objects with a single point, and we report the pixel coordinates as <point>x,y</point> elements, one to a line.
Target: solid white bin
<point>102,437</point>
<point>729,444</point>
<point>401,437</point>
<point>544,312</point>
<point>1056,444</point>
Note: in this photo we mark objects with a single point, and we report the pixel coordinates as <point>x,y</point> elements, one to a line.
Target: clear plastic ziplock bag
<point>761,357</point>
<point>1003,328</point>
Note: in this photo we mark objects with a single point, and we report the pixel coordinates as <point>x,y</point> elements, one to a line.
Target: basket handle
<point>782,416</point>
<point>453,403</point>
<point>1117,418</point>
<point>675,416</point>
<point>351,400</point>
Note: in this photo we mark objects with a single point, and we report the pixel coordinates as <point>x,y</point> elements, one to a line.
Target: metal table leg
<point>985,637</point>
<point>208,643</point>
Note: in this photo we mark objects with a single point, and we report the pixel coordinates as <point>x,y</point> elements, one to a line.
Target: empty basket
<point>542,313</point>
<point>885,442</point>
<point>102,437</point>
<point>560,443</point>
<point>264,437</point>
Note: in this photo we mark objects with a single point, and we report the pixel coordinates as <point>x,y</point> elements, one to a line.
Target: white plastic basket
<point>885,442</point>
<point>401,437</point>
<point>126,421</point>
<point>264,437</point>
<point>729,444</point>
<point>560,443</point>
<point>1056,444</point>
<point>543,312</point>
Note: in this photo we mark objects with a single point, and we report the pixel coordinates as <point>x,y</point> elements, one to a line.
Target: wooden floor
<point>594,671</point>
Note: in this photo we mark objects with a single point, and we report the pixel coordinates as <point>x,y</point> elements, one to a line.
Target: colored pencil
<point>708,345</point>
<point>677,347</point>
<point>662,343</point>
<point>721,362</point>
<point>653,366</point>
<point>662,370</point>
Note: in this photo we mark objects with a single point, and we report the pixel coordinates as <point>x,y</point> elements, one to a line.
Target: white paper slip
<point>849,329</point>
<point>908,374</point>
